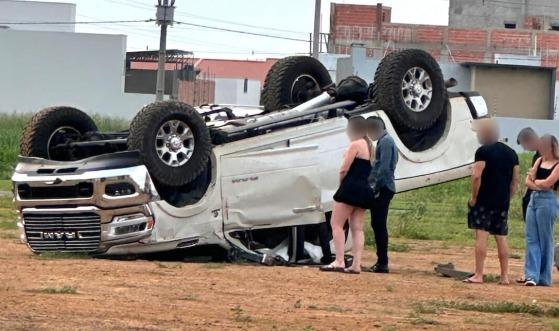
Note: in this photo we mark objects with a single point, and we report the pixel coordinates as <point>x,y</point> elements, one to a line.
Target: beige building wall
<point>515,91</point>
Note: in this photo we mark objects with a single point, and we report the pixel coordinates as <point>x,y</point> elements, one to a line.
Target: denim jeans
<point>540,221</point>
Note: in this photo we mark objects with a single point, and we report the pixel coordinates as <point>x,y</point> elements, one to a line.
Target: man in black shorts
<point>529,140</point>
<point>494,181</point>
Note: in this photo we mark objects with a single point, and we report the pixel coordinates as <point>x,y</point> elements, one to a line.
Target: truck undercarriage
<point>257,181</point>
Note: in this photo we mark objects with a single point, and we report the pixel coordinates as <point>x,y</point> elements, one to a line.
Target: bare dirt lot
<point>94,294</point>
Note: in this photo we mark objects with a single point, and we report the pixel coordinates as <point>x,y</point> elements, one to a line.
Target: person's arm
<point>349,156</point>
<point>530,177</point>
<point>477,171</point>
<point>550,181</point>
<point>515,180</point>
<point>386,156</point>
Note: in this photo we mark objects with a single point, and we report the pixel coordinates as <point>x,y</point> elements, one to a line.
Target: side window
<point>245,90</point>
<point>510,25</point>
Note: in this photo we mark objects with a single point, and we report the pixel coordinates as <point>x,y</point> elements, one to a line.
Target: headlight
<point>119,189</point>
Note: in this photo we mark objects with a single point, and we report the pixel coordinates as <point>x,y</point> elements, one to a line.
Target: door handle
<point>307,209</point>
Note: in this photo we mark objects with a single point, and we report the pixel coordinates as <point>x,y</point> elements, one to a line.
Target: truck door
<point>271,188</point>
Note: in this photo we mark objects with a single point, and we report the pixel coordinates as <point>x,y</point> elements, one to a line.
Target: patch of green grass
<point>422,308</point>
<point>489,278</point>
<point>5,185</point>
<point>552,323</point>
<point>9,235</point>
<point>399,247</point>
<point>239,315</point>
<point>213,265</point>
<point>8,225</point>
<point>57,290</point>
<point>499,307</point>
<point>515,255</point>
<point>62,256</point>
<point>332,308</point>
<point>417,319</point>
<point>189,297</point>
<point>168,265</point>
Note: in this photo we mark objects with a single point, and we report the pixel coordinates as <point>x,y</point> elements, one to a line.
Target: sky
<point>286,18</point>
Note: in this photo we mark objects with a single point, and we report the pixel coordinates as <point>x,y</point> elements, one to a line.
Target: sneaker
<point>530,282</point>
<point>379,269</point>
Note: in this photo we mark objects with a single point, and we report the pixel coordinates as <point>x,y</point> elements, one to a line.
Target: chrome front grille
<point>76,232</point>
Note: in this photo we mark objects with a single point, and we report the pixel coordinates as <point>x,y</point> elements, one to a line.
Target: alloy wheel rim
<point>174,143</point>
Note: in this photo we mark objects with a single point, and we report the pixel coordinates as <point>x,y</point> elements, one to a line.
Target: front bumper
<point>87,221</point>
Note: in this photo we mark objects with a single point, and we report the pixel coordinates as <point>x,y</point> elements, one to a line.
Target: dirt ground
<point>98,294</point>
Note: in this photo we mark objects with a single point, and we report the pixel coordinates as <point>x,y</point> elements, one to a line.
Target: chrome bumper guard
<point>89,224</point>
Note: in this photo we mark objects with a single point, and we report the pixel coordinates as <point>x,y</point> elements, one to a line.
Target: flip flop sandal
<point>331,268</point>
<point>469,281</point>
<point>350,271</point>
<point>521,280</point>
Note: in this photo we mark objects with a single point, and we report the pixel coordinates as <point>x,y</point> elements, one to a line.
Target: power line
<point>195,16</point>
<point>217,49</point>
<point>76,22</point>
<point>241,32</point>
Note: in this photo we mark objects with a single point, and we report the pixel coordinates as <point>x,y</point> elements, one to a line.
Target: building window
<point>384,16</point>
<point>245,89</point>
<point>510,25</point>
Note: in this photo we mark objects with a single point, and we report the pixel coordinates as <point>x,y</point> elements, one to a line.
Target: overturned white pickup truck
<point>236,177</point>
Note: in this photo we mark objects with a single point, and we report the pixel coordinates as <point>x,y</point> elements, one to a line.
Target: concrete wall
<point>364,66</point>
<point>41,69</point>
<point>33,11</point>
<point>516,91</point>
<point>529,14</point>
<point>231,91</point>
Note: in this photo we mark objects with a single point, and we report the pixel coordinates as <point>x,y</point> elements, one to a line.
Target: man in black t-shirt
<point>495,178</point>
<point>529,140</point>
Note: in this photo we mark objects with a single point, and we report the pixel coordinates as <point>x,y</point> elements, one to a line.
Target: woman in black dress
<point>353,197</point>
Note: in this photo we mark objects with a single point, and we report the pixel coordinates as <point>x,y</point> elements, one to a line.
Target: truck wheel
<point>51,127</point>
<point>409,86</point>
<point>173,140</point>
<point>292,81</point>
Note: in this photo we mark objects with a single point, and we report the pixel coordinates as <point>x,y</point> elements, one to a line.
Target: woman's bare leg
<point>340,214</point>
<point>356,222</point>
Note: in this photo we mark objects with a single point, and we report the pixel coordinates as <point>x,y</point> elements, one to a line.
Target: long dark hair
<point>554,144</point>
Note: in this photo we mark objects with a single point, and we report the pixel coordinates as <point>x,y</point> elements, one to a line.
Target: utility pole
<point>164,17</point>
<point>316,34</point>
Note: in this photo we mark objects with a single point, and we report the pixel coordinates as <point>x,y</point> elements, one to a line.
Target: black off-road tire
<point>387,89</point>
<point>277,94</point>
<point>143,131</point>
<point>38,131</point>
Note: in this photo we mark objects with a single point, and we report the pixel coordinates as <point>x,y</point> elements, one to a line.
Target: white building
<point>47,65</point>
<point>35,11</point>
